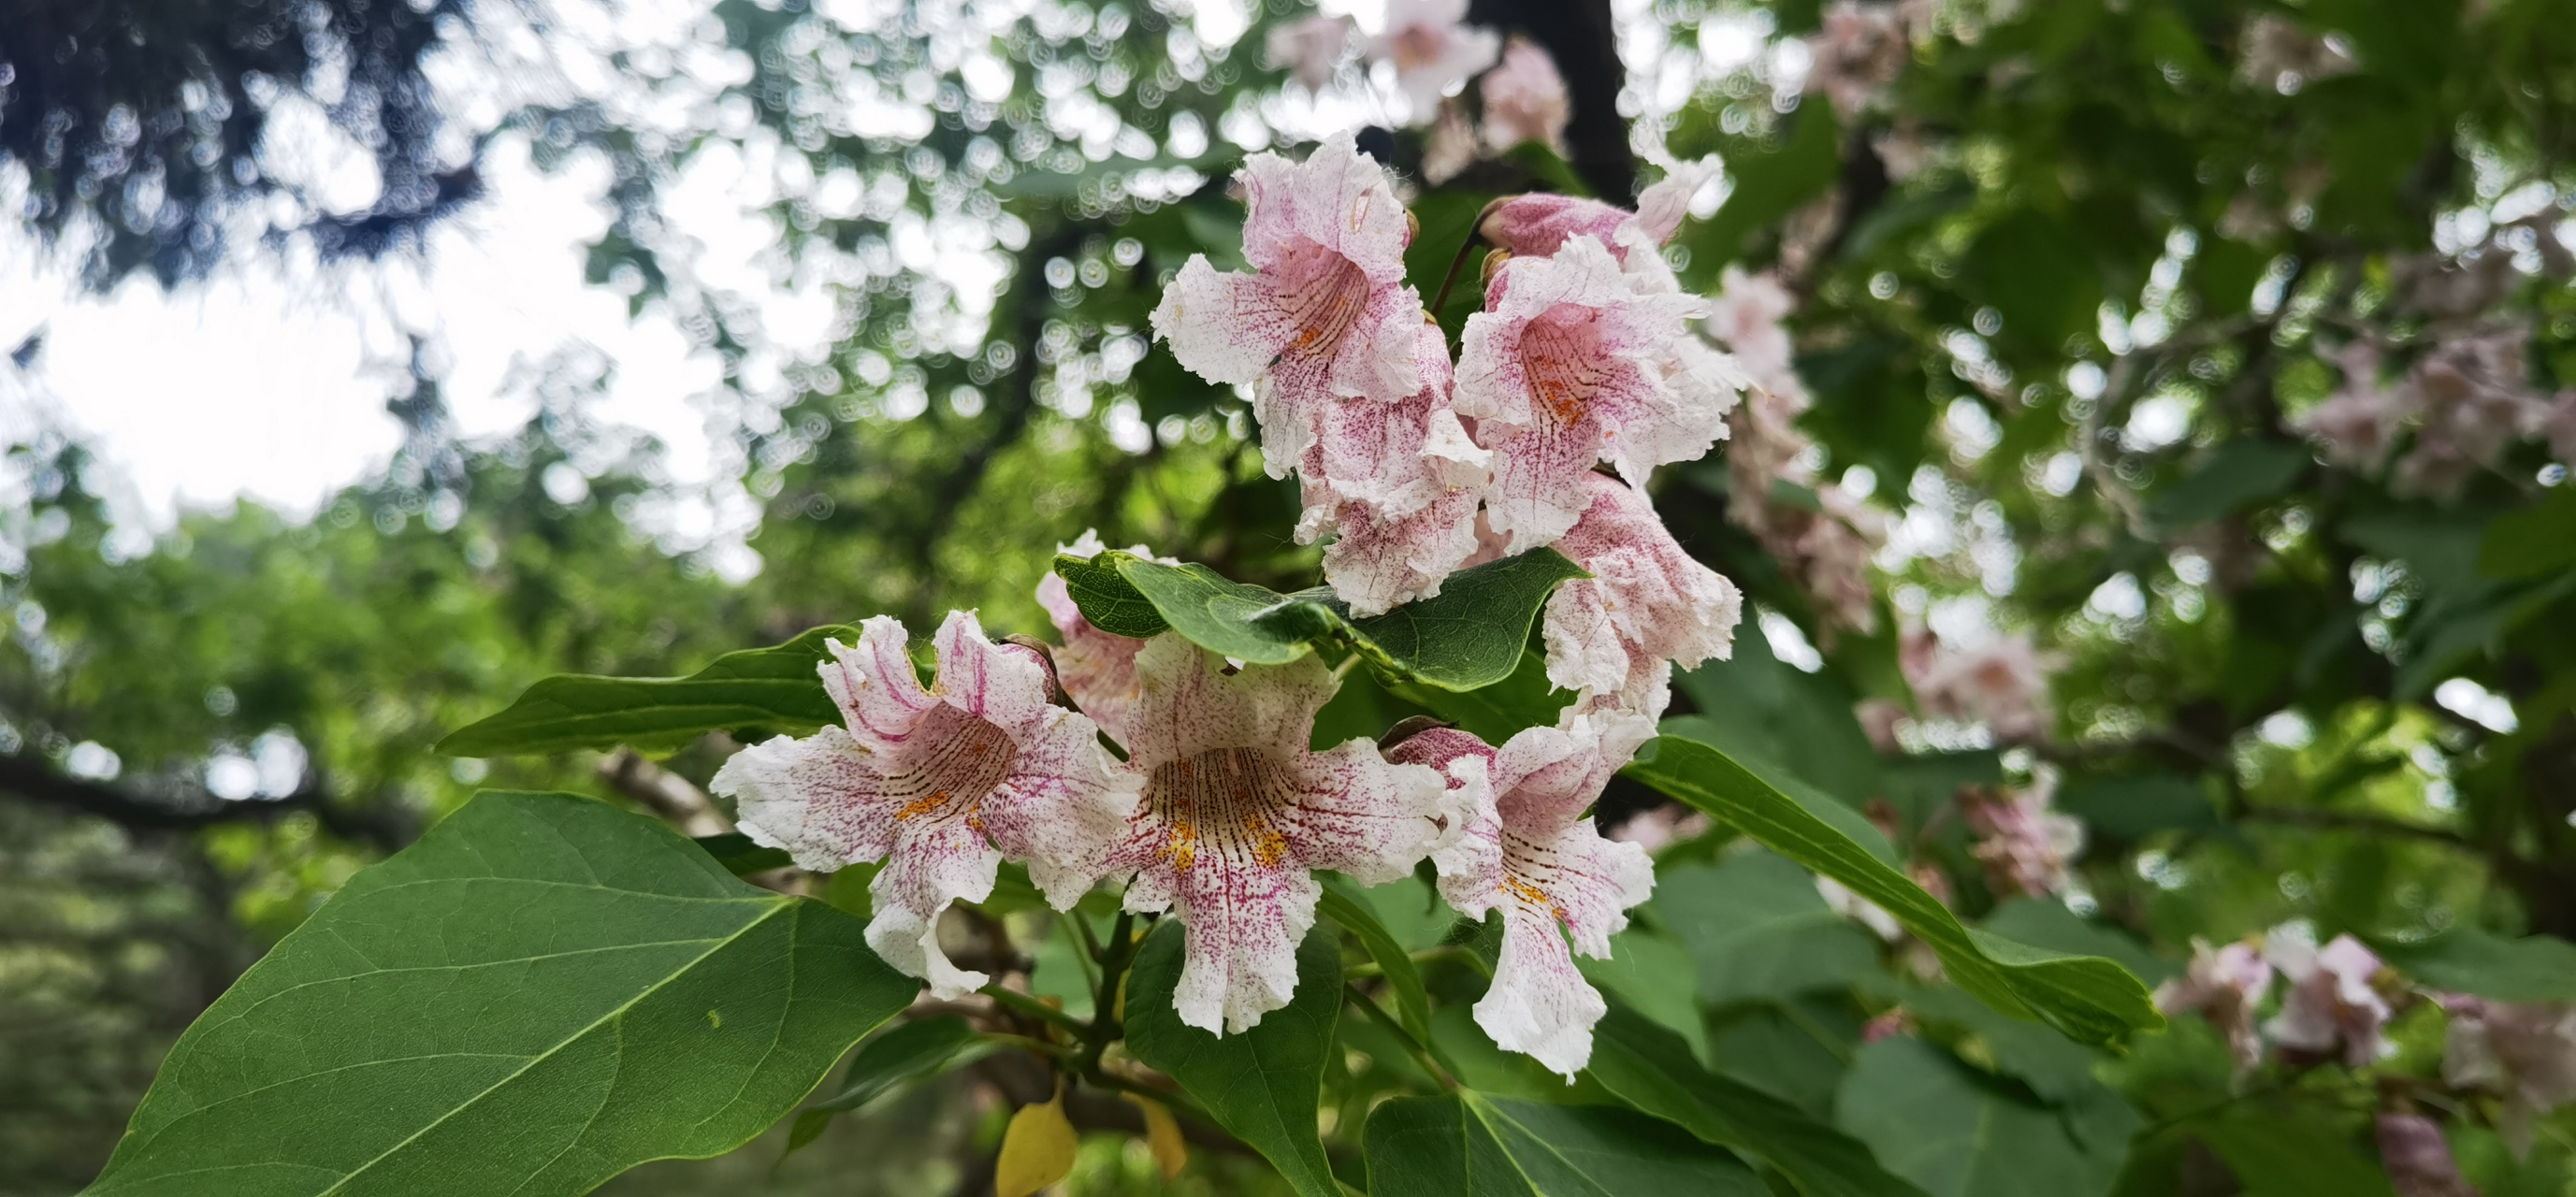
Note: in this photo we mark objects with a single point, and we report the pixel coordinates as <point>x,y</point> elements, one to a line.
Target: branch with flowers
<point>1153,779</point>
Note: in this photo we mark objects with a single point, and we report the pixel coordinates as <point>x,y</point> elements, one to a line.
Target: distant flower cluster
<point>2334,1006</point>
<point>1422,65</point>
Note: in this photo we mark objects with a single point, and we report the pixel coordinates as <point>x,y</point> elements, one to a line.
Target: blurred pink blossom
<point>2473,397</point>
<point>1861,49</point>
<point>2358,424</point>
<point>2418,1159</point>
<point>2330,1009</point>
<point>2002,682</point>
<point>2223,986</point>
<point>2526,1051</point>
<point>2027,847</point>
<point>2275,54</point>
<point>1309,50</point>
<point>1433,51</point>
<point>1525,99</point>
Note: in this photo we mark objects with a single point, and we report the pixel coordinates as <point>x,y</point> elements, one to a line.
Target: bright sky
<point>269,380</point>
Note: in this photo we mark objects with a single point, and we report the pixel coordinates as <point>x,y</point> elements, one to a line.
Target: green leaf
<point>542,992</point>
<point>1469,1143</point>
<point>1471,635</point>
<point>1654,973</point>
<point>2086,997</point>
<point>1495,713</point>
<point>2538,968</point>
<point>904,1051</point>
<point>1260,1084</point>
<point>761,689</point>
<point>2530,541</point>
<point>900,1054</point>
<point>1650,1068</point>
<point>1106,598</point>
<point>1958,1133</point>
<point>740,856</point>
<point>2239,474</point>
<point>1343,903</point>
<point>1757,928</point>
<point>2280,1156</point>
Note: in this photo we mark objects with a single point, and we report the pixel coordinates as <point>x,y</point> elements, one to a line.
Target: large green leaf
<point>761,689</point>
<point>1343,903</point>
<point>1471,1144</point>
<point>2467,960</point>
<point>2087,997</point>
<point>1260,1084</point>
<point>1471,635</point>
<point>1650,1068</point>
<point>1757,928</point>
<point>2278,1156</point>
<point>903,1052</point>
<point>541,993</point>
<point>1524,699</point>
<point>1958,1133</point>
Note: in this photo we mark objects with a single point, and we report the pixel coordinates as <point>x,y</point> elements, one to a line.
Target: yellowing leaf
<point>1037,1150</point>
<point>1163,1136</point>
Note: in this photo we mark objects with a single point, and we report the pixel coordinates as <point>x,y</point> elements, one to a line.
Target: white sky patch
<point>268,381</point>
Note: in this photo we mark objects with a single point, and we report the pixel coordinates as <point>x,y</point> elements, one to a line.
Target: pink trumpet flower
<point>1399,484</point>
<point>940,783</point>
<point>1570,366</point>
<point>1324,314</point>
<point>1539,224</point>
<point>1237,814</point>
<point>1646,599</point>
<point>1527,847</point>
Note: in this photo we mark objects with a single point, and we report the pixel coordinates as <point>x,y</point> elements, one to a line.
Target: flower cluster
<point>2335,1008</point>
<point>1214,809</point>
<point>1824,546</point>
<point>2459,407</point>
<point>1420,69</point>
<point>1584,356</point>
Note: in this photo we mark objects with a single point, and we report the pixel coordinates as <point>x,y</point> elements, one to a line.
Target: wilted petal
<point>939,785</point>
<point>1237,813</point>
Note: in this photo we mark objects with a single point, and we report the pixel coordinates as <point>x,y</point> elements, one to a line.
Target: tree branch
<point>2335,820</point>
<point>384,828</point>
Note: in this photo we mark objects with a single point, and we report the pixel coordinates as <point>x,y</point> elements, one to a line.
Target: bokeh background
<point>2167,420</point>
